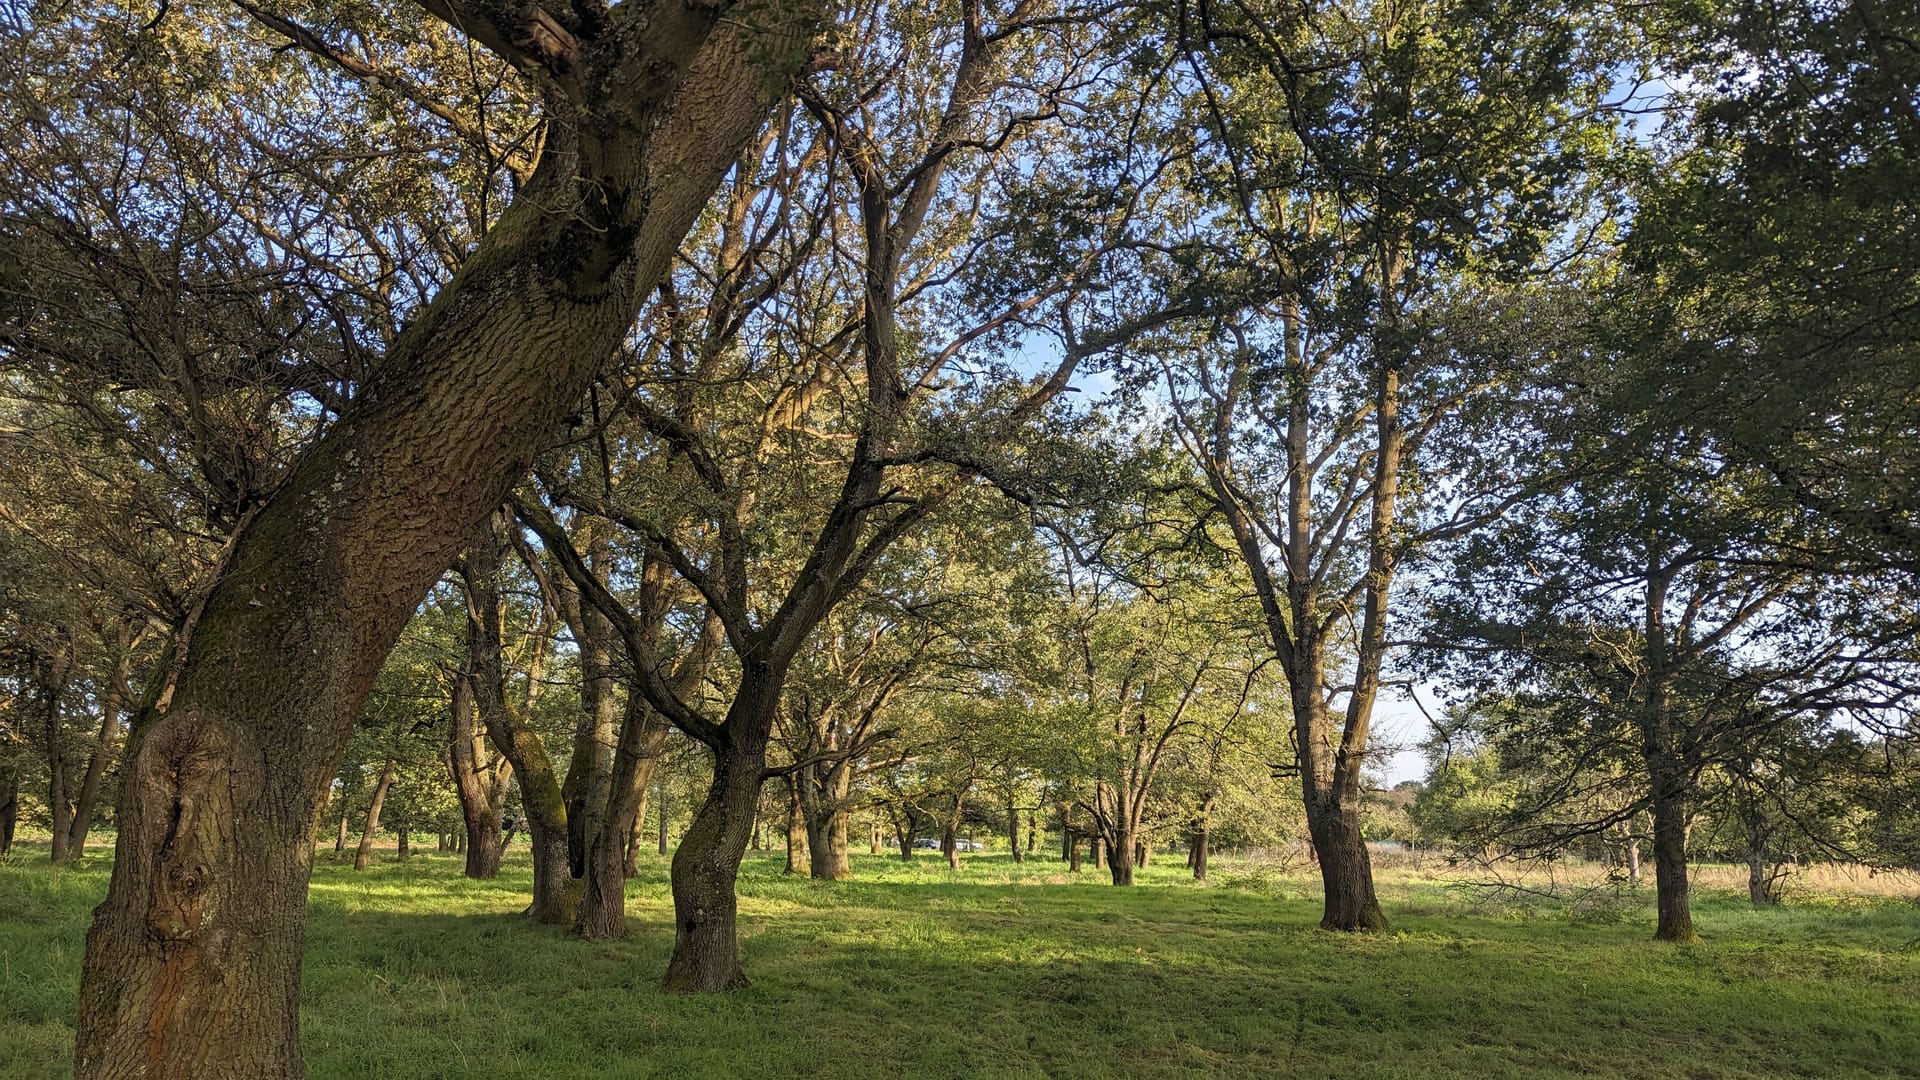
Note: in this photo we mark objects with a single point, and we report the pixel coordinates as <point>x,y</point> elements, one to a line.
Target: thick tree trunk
<point>824,789</point>
<point>402,848</point>
<point>372,824</point>
<point>192,965</point>
<point>603,904</point>
<point>1072,844</point>
<point>1120,856</point>
<point>1671,887</point>
<point>706,949</point>
<point>1346,872</point>
<point>1142,853</point>
<point>827,846</point>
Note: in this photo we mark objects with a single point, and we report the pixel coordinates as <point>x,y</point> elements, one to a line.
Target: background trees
<point>712,368</point>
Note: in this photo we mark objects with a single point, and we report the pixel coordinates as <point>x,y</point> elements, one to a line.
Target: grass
<point>1003,971</point>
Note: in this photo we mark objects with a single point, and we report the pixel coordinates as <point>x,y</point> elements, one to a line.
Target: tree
<point>1357,172</point>
<point>270,669</point>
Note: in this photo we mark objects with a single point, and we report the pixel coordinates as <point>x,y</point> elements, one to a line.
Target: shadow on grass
<point>414,971</point>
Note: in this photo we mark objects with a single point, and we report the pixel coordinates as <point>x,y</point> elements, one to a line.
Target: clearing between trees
<point>1025,971</point>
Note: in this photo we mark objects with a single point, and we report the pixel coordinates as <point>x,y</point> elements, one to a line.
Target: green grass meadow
<point>1003,971</point>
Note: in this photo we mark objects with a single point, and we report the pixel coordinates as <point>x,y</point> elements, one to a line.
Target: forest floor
<point>1001,971</point>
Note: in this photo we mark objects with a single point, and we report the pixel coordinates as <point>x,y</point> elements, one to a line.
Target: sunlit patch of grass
<point>1000,970</point>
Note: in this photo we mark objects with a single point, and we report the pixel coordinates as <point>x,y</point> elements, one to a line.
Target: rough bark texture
<point>1346,872</point>
<point>706,948</point>
<point>192,964</point>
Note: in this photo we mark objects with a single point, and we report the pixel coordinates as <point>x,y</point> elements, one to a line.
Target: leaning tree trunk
<point>97,759</point>
<point>365,855</point>
<point>192,964</point>
<point>706,947</point>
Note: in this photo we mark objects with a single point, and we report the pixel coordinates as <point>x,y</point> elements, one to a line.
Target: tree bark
<point>1346,871</point>
<point>636,836</point>
<point>402,849</point>
<point>192,965</point>
<point>1013,829</point>
<point>603,904</point>
<point>796,829</point>
<point>1671,886</point>
<point>482,788</point>
<point>1202,838</point>
<point>827,854</point>
<point>9,806</point>
<point>103,749</point>
<point>50,675</point>
<point>372,824</point>
<point>587,790</point>
<point>663,819</point>
<point>340,837</point>
<point>706,947</point>
<point>555,895</point>
<point>824,789</point>
<point>1119,856</point>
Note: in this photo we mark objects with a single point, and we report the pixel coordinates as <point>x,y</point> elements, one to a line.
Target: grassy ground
<point>910,971</point>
